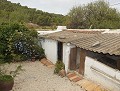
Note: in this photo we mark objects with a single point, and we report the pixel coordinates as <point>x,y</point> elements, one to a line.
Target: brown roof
<point>87,31</point>
<point>66,36</point>
<point>102,43</point>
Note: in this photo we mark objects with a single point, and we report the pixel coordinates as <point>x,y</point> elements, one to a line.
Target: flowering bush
<point>18,42</point>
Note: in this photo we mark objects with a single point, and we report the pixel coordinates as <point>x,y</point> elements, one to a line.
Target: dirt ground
<point>37,77</point>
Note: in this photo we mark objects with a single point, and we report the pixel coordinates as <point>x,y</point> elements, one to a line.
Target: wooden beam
<point>82,61</point>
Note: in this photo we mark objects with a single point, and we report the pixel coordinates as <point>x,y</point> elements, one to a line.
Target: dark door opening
<point>60,51</point>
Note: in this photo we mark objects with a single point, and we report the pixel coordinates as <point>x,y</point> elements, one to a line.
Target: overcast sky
<point>58,6</point>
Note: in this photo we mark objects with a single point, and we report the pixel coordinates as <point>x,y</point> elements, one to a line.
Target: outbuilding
<point>93,54</point>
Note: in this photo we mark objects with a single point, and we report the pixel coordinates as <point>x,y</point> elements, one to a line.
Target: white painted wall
<point>102,74</point>
<point>66,54</point>
<point>61,27</point>
<point>50,47</point>
<point>47,32</point>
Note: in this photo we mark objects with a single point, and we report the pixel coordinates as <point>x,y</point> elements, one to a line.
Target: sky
<point>59,6</point>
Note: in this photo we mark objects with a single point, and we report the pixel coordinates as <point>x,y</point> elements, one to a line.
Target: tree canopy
<point>96,14</point>
<point>12,12</point>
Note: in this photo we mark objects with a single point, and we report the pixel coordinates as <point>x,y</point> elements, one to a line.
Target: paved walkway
<point>85,84</point>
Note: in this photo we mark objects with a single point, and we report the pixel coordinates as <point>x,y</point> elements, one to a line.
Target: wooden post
<point>82,61</point>
<point>73,55</point>
<point>118,64</point>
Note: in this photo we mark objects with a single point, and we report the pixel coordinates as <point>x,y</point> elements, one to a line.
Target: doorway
<point>60,51</point>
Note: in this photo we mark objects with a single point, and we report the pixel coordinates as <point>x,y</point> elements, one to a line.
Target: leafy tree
<point>96,14</point>
<point>18,43</point>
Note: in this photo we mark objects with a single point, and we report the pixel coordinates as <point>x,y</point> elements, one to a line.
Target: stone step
<point>77,79</point>
<point>69,75</point>
<point>47,63</point>
<point>71,78</point>
<point>81,82</point>
<point>86,84</point>
<point>91,87</point>
<point>50,66</point>
<point>43,61</point>
<point>99,88</point>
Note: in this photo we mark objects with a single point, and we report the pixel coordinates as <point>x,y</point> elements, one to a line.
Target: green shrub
<point>18,43</point>
<point>19,57</point>
<point>59,66</point>
<point>2,58</point>
<point>6,78</point>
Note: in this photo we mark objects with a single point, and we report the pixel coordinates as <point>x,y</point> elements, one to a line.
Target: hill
<point>12,12</point>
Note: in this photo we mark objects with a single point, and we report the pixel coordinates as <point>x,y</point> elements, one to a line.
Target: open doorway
<point>60,51</point>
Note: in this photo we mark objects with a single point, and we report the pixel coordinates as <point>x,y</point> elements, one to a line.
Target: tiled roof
<point>66,36</point>
<point>102,43</point>
<point>86,31</point>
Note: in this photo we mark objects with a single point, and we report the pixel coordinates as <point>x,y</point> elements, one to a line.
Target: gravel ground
<point>37,77</point>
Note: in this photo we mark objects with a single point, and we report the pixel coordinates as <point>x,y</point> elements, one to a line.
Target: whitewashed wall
<point>47,32</point>
<point>66,54</point>
<point>50,47</point>
<point>102,74</point>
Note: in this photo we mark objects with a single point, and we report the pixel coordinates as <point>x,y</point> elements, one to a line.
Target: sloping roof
<point>97,42</point>
<point>102,43</point>
<point>66,36</point>
<point>88,31</point>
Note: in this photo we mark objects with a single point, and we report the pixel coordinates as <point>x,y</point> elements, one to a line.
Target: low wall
<point>102,74</point>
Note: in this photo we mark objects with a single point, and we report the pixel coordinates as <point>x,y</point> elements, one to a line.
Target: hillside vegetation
<point>12,12</point>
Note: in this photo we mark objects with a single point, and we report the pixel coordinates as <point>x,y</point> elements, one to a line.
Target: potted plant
<point>7,80</point>
<point>60,68</point>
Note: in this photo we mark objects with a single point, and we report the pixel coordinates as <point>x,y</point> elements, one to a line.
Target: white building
<point>95,55</point>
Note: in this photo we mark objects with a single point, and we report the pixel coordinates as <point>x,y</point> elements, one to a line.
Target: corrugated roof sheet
<point>66,36</point>
<point>102,43</point>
